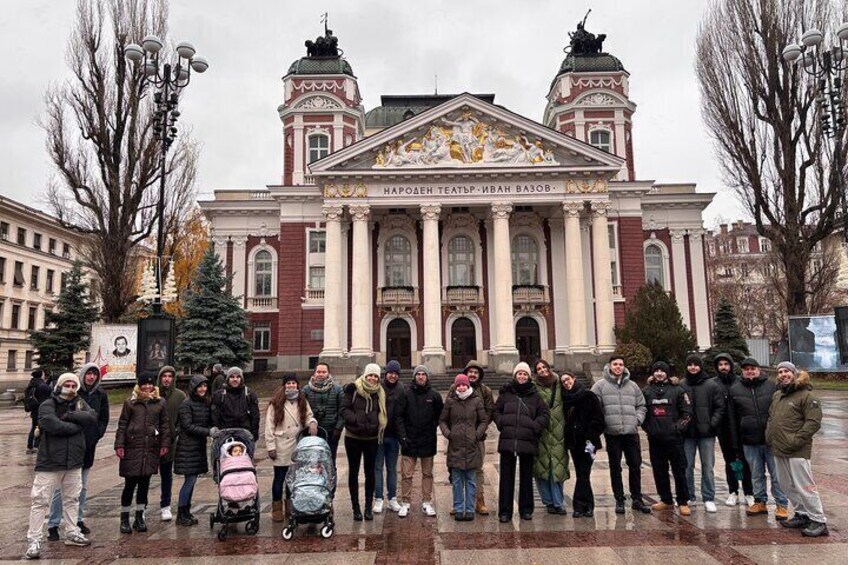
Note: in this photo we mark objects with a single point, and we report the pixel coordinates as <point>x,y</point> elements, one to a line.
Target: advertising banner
<point>113,350</point>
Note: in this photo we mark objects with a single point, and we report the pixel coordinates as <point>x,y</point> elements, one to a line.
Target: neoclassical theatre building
<point>442,228</point>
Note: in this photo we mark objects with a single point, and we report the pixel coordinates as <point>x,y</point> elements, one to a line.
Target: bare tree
<point>761,112</point>
<point>99,127</point>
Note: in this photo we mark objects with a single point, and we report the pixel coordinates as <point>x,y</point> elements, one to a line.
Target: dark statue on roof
<point>326,46</point>
<point>584,42</point>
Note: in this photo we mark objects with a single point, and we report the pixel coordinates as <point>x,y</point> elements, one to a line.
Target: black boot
<point>369,512</point>
<point>357,513</point>
<point>639,504</point>
<point>125,523</point>
<point>183,518</point>
<point>138,524</point>
<point>619,507</point>
<point>797,521</point>
<point>815,529</point>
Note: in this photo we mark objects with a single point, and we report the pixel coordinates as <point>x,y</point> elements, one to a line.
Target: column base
<point>585,362</point>
<point>434,360</point>
<point>348,368</point>
<point>503,362</point>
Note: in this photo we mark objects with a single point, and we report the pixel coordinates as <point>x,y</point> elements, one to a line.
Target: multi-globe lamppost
<point>169,78</point>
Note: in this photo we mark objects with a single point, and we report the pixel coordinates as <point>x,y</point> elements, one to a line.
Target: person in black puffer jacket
<point>669,415</point>
<point>584,424</point>
<point>417,421</point>
<point>234,406</point>
<point>730,450</point>
<point>37,391</point>
<point>708,401</point>
<point>194,426</point>
<point>521,416</point>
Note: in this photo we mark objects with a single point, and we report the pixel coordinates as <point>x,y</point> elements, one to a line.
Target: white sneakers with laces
<point>393,505</point>
<point>427,508</point>
<point>377,507</point>
<point>404,510</point>
<point>166,514</point>
<point>33,550</point>
<point>710,506</point>
<point>749,500</point>
<point>77,539</point>
<point>732,500</point>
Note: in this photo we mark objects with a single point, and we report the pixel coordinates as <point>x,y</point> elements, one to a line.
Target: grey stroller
<point>311,480</point>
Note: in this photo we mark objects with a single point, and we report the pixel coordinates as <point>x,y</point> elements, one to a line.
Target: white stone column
<point>361,287</point>
<point>333,314</point>
<point>574,288</point>
<point>220,244</point>
<point>604,313</point>
<point>681,281</point>
<point>699,289</point>
<point>240,268</point>
<point>504,348</point>
<point>433,352</point>
<point>299,150</point>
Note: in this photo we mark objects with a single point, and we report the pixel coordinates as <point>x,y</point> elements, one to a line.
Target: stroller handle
<point>322,433</point>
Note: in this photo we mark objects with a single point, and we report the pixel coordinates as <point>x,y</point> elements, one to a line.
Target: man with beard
<point>726,378</point>
<point>325,398</point>
<point>234,406</point>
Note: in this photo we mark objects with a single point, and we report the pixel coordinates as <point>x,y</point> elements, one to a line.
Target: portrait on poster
<point>113,350</point>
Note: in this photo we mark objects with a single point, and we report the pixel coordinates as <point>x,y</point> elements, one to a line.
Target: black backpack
<point>30,402</point>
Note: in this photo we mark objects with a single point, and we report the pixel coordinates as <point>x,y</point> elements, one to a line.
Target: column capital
<point>359,212</point>
<point>677,235</point>
<point>696,235</point>
<point>222,240</point>
<point>572,207</point>
<point>238,240</point>
<point>332,212</point>
<point>501,210</point>
<point>431,211</point>
<point>600,207</point>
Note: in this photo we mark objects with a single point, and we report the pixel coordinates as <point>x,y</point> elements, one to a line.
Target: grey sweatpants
<point>795,476</point>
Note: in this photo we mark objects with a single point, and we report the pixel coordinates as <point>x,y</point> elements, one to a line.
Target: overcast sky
<point>511,49</point>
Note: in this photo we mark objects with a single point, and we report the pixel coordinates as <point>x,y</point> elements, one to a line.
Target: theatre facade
<point>442,228</point>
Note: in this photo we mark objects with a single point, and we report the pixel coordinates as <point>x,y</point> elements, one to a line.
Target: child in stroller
<point>311,479</point>
<point>235,473</point>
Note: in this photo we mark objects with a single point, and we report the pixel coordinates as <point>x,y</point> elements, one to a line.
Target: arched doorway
<point>463,342</point>
<point>399,342</point>
<point>527,340</point>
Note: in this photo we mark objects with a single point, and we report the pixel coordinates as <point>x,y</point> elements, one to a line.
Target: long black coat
<point>143,430</point>
<point>195,419</point>
<point>236,408</point>
<point>62,424</point>
<point>748,406</point>
<point>521,416</point>
<point>584,417</point>
<point>417,420</point>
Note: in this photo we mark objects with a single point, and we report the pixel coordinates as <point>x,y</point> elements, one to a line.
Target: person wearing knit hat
<point>520,415</point>
<point>475,372</point>
<point>419,409</point>
<point>463,422</point>
<point>365,419</point>
<point>389,450</point>
<point>709,404</point>
<point>794,418</point>
<point>235,405</point>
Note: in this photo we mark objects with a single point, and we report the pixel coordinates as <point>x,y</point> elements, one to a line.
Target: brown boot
<point>480,507</point>
<point>277,511</point>
<point>287,509</point>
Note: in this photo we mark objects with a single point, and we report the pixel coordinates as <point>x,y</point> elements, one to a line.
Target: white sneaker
<point>710,506</point>
<point>377,507</point>
<point>749,500</point>
<point>33,550</point>
<point>77,539</point>
<point>166,514</point>
<point>404,510</point>
<point>732,500</point>
<point>394,506</point>
<point>427,508</point>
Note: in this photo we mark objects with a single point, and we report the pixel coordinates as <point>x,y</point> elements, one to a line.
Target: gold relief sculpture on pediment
<point>586,186</point>
<point>346,190</point>
<point>464,141</point>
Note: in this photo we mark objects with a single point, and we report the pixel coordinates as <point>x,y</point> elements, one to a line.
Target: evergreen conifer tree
<point>727,338</point>
<point>214,325</point>
<point>654,321</point>
<point>67,330</point>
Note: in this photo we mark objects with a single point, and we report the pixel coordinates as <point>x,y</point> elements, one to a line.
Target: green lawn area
<point>823,384</point>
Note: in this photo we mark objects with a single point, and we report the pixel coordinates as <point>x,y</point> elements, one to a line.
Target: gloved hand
<point>272,454</point>
<point>337,434</point>
<point>119,452</point>
<point>214,432</point>
<point>163,451</point>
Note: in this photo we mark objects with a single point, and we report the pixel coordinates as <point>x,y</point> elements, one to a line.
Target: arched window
<point>263,272</point>
<point>319,146</point>
<point>601,139</point>
<point>398,261</point>
<point>525,260</point>
<point>654,268</point>
<point>461,261</point>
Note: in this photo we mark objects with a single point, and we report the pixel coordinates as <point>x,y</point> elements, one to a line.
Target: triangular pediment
<point>467,133</point>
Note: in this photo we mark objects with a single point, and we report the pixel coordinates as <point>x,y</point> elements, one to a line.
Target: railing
<point>314,295</point>
<point>263,302</point>
<point>463,296</point>
<point>616,291</point>
<point>530,295</point>
<point>260,195</point>
<point>388,296</point>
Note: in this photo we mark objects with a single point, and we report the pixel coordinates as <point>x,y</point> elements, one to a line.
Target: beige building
<point>36,254</point>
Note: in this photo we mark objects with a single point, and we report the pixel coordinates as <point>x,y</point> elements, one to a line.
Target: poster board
<point>813,343</point>
<point>113,349</point>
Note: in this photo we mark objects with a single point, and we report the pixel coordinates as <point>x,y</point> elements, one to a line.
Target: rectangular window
<point>2,270</point>
<point>19,273</point>
<point>21,236</point>
<point>51,246</point>
<point>12,362</point>
<point>319,147</point>
<point>63,281</point>
<point>711,248</point>
<point>33,314</point>
<point>742,244</point>
<point>316,335</point>
<point>316,278</point>
<point>317,241</point>
<point>28,359</point>
<point>765,245</point>
<point>50,275</point>
<point>613,243</point>
<point>262,336</point>
<point>36,241</point>
<point>33,278</point>
<point>16,316</point>
<point>66,250</point>
<point>4,231</point>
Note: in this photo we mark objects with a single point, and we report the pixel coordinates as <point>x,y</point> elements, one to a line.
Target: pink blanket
<point>239,484</point>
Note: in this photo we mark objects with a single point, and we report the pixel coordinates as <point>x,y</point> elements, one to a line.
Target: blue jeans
<point>759,457</point>
<point>55,517</point>
<point>550,491</point>
<point>187,490</point>
<point>387,451</point>
<point>280,473</point>
<point>706,448</point>
<point>464,482</point>
<point>166,472</point>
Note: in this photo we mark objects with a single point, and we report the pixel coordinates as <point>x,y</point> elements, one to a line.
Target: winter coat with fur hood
<point>794,418</point>
<point>143,430</point>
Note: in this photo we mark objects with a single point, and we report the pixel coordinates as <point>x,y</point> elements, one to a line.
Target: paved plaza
<point>728,536</point>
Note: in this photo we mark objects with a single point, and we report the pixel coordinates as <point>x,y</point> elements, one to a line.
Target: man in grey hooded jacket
<point>624,411</point>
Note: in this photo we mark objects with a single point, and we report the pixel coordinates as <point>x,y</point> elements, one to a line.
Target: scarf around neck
<point>324,386</point>
<point>365,390</point>
<point>463,395</point>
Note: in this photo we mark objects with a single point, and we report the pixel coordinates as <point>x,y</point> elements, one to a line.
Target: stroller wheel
<point>222,533</point>
<point>288,533</point>
<point>327,531</point>
<point>252,527</point>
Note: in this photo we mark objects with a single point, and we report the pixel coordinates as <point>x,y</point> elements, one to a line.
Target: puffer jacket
<point>195,420</point>
<point>236,407</point>
<point>143,430</point>
<point>726,382</point>
<point>623,403</point>
<point>393,395</point>
<point>584,417</point>
<point>464,423</point>
<point>359,421</point>
<point>63,424</point>
<point>748,409</point>
<point>418,412</point>
<point>794,418</point>
<point>521,416</point>
<point>326,407</point>
<point>174,398</point>
<point>670,410</point>
<point>486,395</point>
<point>553,455</point>
<point>708,402</point>
<point>282,437</point>
<point>97,400</point>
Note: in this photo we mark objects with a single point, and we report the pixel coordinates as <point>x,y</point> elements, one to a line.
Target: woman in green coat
<point>551,465</point>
